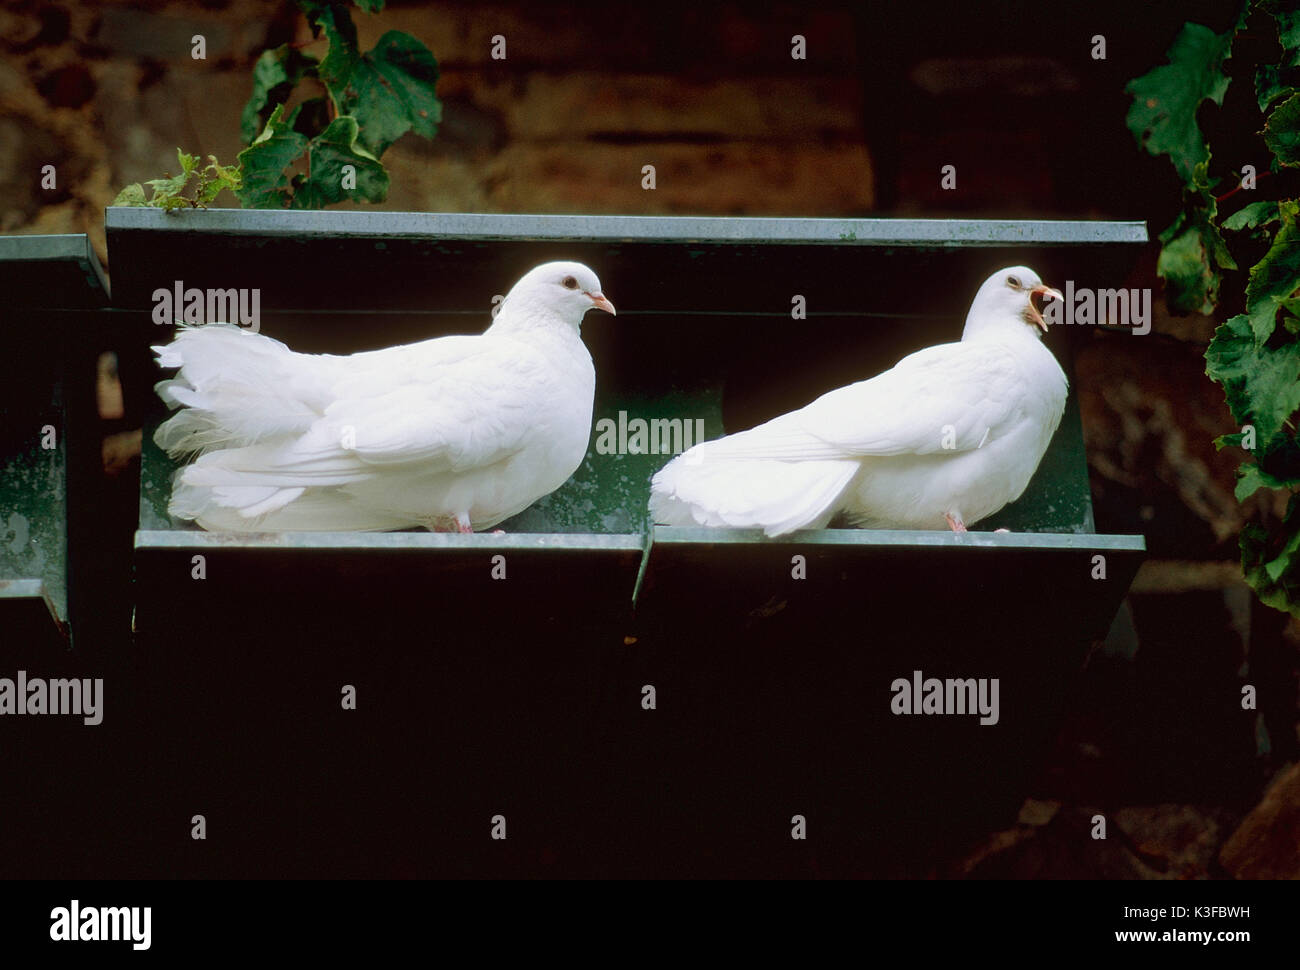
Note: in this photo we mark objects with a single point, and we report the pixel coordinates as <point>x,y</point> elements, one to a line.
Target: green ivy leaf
<point>1269,86</point>
<point>1288,22</point>
<point>1275,81</point>
<point>275,75</point>
<point>217,178</point>
<point>327,155</point>
<point>1184,264</point>
<point>1166,98</point>
<point>1252,216</point>
<point>1282,131</point>
<point>403,95</point>
<point>265,183</point>
<point>1193,251</point>
<point>1261,384</point>
<point>131,195</point>
<point>1269,561</point>
<point>171,202</point>
<point>1228,360</point>
<point>1251,478</point>
<point>1276,277</point>
<point>166,191</point>
<point>389,90</point>
<point>1273,390</point>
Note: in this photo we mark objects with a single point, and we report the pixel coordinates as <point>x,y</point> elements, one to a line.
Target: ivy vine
<point>1254,355</point>
<point>327,147</point>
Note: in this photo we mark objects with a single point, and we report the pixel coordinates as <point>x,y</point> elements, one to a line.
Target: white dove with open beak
<point>944,439</point>
<point>453,434</point>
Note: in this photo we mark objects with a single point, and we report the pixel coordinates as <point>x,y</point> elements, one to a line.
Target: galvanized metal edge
<point>647,229</point>
<point>60,246</point>
<point>674,535</point>
<point>63,247</point>
<point>31,591</point>
<point>162,539</point>
<point>21,589</point>
<point>94,271</point>
<point>73,247</point>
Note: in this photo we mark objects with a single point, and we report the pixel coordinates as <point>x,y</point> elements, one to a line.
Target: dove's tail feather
<point>265,508</point>
<point>775,496</point>
<point>236,388</point>
<point>244,400</point>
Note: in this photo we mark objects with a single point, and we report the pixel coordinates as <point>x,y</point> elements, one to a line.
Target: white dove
<point>453,434</point>
<point>947,437</point>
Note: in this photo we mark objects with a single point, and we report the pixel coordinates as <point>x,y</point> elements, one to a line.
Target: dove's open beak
<point>1043,292</point>
<point>599,300</point>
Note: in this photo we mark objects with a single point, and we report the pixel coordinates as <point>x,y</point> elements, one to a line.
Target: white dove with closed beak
<point>455,433</point>
<point>945,438</point>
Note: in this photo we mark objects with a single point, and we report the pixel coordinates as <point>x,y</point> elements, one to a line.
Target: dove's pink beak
<point>599,300</point>
<point>1044,291</point>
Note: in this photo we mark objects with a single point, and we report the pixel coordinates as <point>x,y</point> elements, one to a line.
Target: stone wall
<point>107,92</point>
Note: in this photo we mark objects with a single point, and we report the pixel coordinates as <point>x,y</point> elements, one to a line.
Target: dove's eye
<point>569,283</point>
<point>1013,281</point>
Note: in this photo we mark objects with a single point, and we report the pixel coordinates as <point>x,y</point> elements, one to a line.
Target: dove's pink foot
<point>498,532</point>
<point>954,523</point>
<point>462,523</point>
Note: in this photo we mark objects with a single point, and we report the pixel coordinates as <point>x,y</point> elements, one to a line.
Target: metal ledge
<point>67,248</point>
<point>18,589</point>
<point>386,541</point>
<point>481,227</point>
<point>664,535</point>
<point>29,615</point>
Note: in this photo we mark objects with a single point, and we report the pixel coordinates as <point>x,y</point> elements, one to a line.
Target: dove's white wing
<point>447,405</point>
<point>466,416</point>
<point>948,398</point>
<point>792,472</point>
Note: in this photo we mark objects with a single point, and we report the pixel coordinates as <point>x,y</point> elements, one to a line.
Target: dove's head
<point>1010,301</point>
<point>562,289</point>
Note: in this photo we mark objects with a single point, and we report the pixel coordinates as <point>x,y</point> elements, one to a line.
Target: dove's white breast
<point>915,491</point>
<point>539,387</point>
